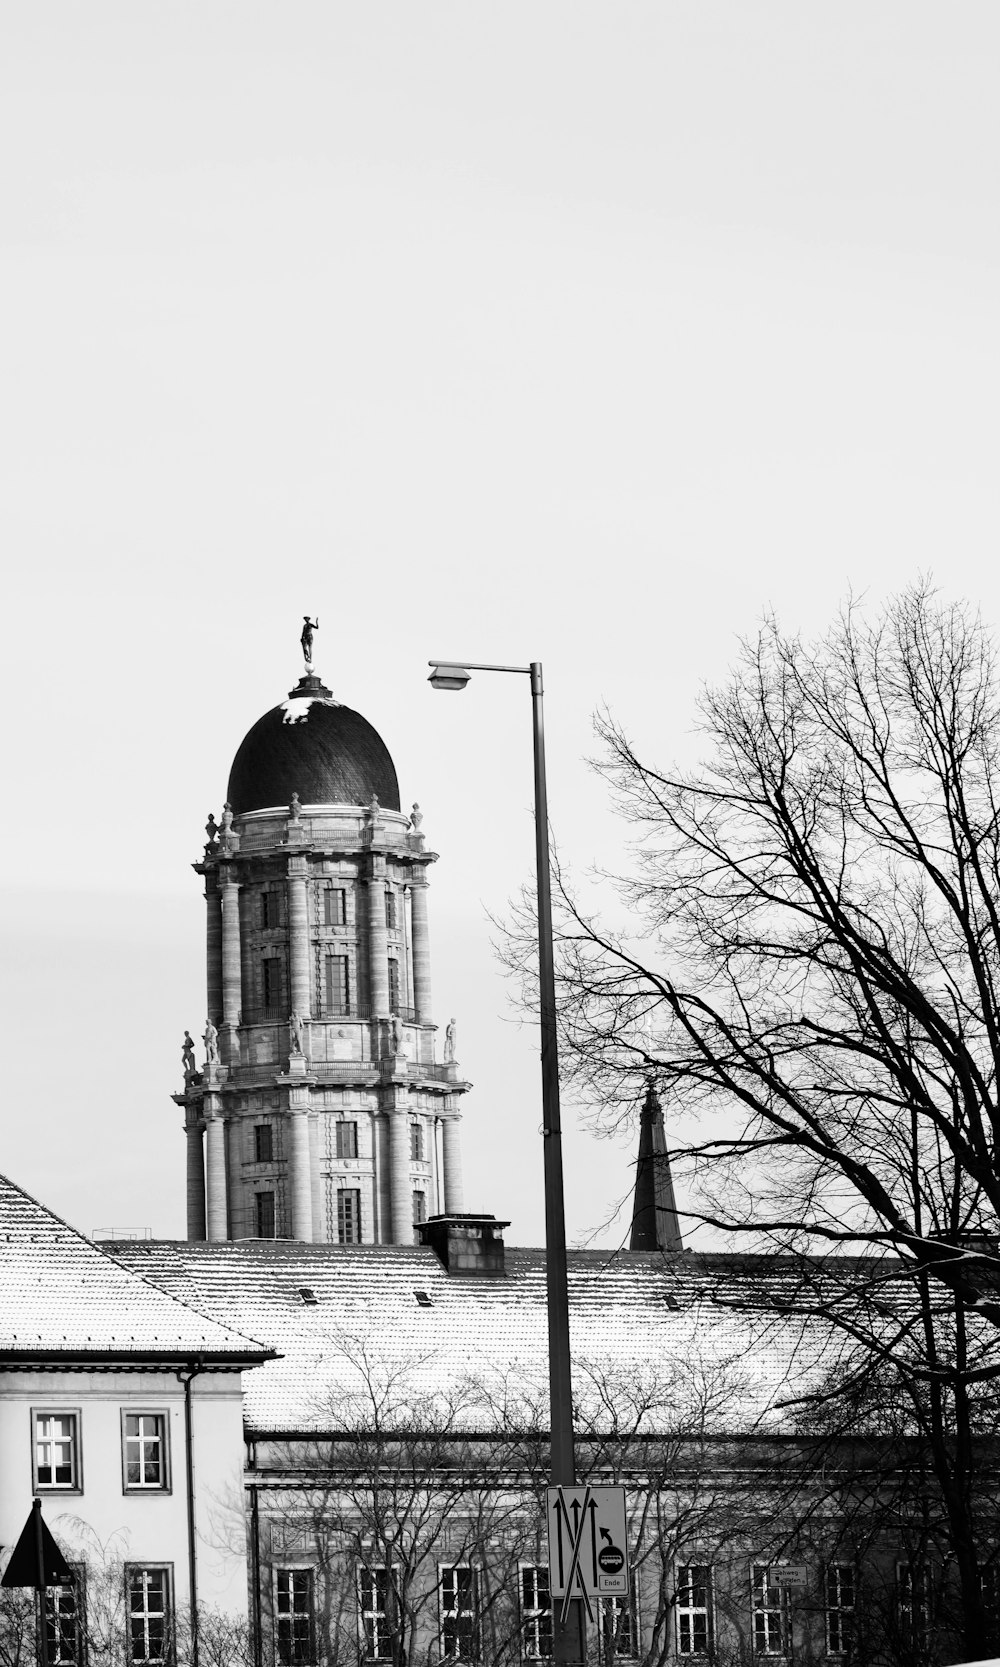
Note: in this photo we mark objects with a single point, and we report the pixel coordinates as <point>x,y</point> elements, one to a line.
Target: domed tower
<point>321,1112</point>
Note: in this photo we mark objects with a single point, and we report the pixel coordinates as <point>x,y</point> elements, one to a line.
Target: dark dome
<point>312,746</point>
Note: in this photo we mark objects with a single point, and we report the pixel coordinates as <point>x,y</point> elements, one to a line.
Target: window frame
<point>848,1626</point>
<point>417,1141</point>
<point>355,1193</point>
<point>535,1628</point>
<point>395,985</point>
<point>76,1484</point>
<point>51,1619</point>
<point>781,1608</point>
<point>372,1647</point>
<point>292,1660</point>
<point>456,1613</point>
<point>334,905</point>
<point>260,1130</point>
<point>914,1608</point>
<point>390,909</point>
<point>167,1570</point>
<point>334,1006</point>
<point>261,1193</point>
<point>691,1611</point>
<point>346,1135</point>
<point>162,1417</point>
<point>607,1650</point>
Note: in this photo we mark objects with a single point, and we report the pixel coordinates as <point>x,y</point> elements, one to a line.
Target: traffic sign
<point>588,1544</point>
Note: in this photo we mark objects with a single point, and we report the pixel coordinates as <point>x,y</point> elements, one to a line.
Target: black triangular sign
<point>23,1570</point>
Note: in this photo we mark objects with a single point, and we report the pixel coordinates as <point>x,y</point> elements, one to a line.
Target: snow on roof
<point>61,1295</point>
<point>657,1340</point>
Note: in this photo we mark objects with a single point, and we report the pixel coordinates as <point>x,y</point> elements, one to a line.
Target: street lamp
<point>569,1636</point>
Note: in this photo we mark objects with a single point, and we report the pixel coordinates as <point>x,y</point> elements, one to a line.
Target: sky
<point>564,331</point>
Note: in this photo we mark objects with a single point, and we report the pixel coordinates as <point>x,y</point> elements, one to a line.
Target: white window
<point>913,1592</point>
<point>536,1613</point>
<point>618,1626</point>
<point>459,1596</point>
<point>841,1599</point>
<point>376,1606</point>
<point>149,1615</point>
<point>293,1615</point>
<point>770,1611</point>
<point>56,1440</point>
<point>144,1451</point>
<point>64,1608</point>
<point>694,1609</point>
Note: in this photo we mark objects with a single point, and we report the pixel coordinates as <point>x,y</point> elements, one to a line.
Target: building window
<point>56,1438</point>
<point>347,1140</point>
<point>694,1609</point>
<point>618,1626</point>
<point>264,1206</point>
<point>293,1614</point>
<point>393,984</point>
<point>263,1143</point>
<point>840,1589</point>
<point>769,1605</point>
<point>419,1210</point>
<point>390,909</point>
<point>149,1617</point>
<point>536,1614</point>
<point>335,906</point>
<point>338,984</point>
<point>416,1143</point>
<point>269,907</point>
<point>64,1607</point>
<point>459,1594</point>
<point>144,1451</point>
<point>913,1590</point>
<point>272,981</point>
<point>376,1606</point>
<point>348,1215</point>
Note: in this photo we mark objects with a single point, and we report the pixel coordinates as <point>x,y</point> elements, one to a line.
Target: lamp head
<point>449,677</point>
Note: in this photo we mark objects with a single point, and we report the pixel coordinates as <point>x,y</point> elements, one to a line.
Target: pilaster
<point>421,949</point>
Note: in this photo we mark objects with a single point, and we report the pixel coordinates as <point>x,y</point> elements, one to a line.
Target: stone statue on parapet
<point>226,840</point>
<point>306,639</point>
<point>396,1026</point>
<point>294,808</point>
<point>211,1039</point>
<point>450,1041</point>
<point>416,817</point>
<point>375,810</point>
<point>187,1057</point>
<point>296,1028</point>
<point>211,830</point>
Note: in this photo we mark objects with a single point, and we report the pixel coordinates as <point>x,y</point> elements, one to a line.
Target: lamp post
<point>569,1636</point>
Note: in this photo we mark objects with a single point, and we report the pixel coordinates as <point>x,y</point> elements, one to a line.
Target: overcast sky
<point>554,330</point>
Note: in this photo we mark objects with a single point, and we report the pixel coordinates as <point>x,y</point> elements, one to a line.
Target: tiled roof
<point>60,1295</point>
<point>668,1332</point>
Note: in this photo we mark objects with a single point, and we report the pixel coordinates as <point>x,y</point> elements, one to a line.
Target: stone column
<point>213,947</point>
<point>316,1178</point>
<point>399,1176</point>
<point>216,1177</point>
<point>298,938</point>
<point>299,1177</point>
<point>421,952</point>
<point>195,1182</point>
<point>378,954</point>
<point>231,975</point>
<point>452,1167</point>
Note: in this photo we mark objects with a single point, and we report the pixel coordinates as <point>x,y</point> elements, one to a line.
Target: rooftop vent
<point>471,1246</point>
<point>309,1297</point>
<point>423,1300</point>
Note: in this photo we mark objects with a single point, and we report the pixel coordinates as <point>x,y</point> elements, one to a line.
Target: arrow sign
<point>588,1543</point>
<point>36,1559</point>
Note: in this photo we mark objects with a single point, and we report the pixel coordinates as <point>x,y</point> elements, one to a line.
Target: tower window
<point>347,1140</point>
<point>419,1207</point>
<point>348,1215</point>
<point>416,1143</point>
<point>338,984</point>
<point>268,909</point>
<point>264,1205</point>
<point>335,906</point>
<point>263,1143</point>
<point>393,984</point>
<point>272,981</point>
<point>390,909</point>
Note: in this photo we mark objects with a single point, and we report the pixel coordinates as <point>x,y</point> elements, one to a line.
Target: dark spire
<point>654,1217</point>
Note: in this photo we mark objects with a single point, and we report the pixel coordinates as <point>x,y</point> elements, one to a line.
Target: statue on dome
<point>375,809</point>
<point>211,1043</point>
<point>226,841</point>
<point>450,1041</point>
<point>187,1057</point>
<point>294,808</point>
<point>416,817</point>
<point>296,1028</point>
<point>306,639</point>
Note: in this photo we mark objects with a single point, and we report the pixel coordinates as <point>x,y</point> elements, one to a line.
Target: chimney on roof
<point>466,1244</point>
<point>654,1215</point>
